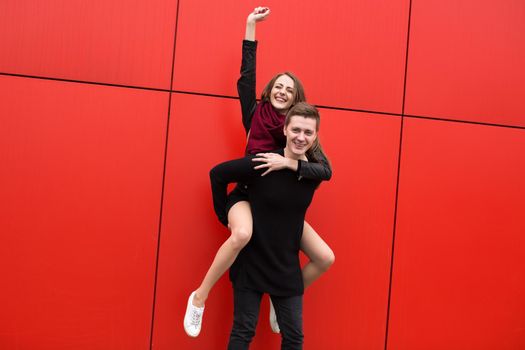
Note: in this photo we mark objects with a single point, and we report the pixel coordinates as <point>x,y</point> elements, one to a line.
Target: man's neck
<point>291,155</point>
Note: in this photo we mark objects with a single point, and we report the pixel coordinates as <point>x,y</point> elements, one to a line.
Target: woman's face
<point>300,134</point>
<point>282,94</point>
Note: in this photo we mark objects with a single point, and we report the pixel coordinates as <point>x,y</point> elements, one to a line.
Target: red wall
<point>112,113</point>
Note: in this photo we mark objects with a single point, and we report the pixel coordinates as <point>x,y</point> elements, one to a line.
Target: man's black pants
<point>289,311</point>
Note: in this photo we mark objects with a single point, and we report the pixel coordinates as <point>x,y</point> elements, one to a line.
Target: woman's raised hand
<point>259,14</point>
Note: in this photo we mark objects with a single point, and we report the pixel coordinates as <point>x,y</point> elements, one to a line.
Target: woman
<point>269,263</point>
<point>263,123</point>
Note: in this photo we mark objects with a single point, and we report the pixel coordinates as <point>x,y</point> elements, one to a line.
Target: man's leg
<point>246,305</point>
<point>289,311</point>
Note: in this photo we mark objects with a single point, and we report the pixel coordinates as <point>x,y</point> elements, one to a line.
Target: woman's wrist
<point>292,164</point>
<point>250,30</point>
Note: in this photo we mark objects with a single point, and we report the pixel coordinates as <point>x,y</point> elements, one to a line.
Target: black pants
<point>289,311</point>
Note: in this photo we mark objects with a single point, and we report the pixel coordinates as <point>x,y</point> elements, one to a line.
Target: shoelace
<point>195,317</point>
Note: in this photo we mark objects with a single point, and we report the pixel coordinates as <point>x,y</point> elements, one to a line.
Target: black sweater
<point>270,261</point>
<point>246,89</point>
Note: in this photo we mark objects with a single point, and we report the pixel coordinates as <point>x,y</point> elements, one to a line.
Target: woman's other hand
<point>273,161</point>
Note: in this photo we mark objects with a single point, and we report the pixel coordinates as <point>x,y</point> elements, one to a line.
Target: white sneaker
<point>193,318</point>
<point>273,319</point>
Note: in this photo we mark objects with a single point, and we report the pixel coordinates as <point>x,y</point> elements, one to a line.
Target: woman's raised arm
<point>258,14</point>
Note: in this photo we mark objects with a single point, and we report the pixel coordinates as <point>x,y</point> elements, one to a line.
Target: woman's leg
<point>320,254</point>
<point>241,227</point>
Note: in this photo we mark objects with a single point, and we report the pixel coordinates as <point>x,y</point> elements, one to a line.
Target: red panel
<point>81,186</point>
<point>118,41</point>
<point>458,268</point>
<point>466,60</point>
<point>354,213</point>
<point>348,53</point>
<point>203,132</point>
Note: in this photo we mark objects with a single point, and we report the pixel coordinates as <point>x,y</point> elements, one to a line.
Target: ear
<point>284,130</point>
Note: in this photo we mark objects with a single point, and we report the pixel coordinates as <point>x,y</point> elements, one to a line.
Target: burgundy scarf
<point>266,131</point>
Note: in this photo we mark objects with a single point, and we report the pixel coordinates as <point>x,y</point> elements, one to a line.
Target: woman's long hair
<point>315,153</point>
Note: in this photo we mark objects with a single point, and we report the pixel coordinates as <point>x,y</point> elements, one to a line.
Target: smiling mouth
<point>300,146</point>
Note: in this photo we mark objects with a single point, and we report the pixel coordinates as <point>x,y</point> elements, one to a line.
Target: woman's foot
<point>273,319</point>
<point>193,318</point>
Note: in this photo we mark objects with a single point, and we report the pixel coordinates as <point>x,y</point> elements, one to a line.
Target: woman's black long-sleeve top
<point>246,89</point>
<point>269,263</point>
